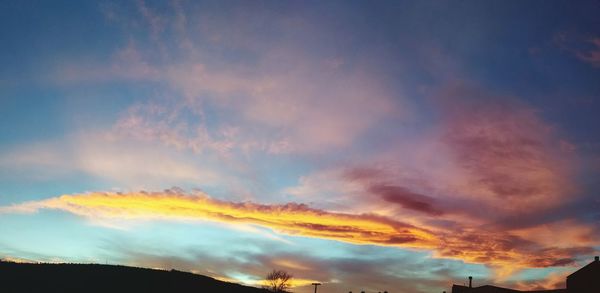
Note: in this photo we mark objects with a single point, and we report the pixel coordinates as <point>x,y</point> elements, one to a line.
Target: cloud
<point>591,56</point>
<point>124,162</point>
<point>391,193</point>
<point>504,151</point>
<point>136,164</point>
<point>284,100</point>
<point>227,94</point>
<point>293,219</point>
<point>555,280</point>
<point>372,270</point>
<point>487,160</point>
<point>303,107</point>
<point>406,198</point>
<point>504,251</point>
<point>585,49</point>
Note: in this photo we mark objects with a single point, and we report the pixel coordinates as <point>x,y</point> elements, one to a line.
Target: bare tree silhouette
<point>278,281</point>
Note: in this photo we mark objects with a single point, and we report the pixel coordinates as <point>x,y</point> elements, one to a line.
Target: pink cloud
<point>489,159</point>
<point>505,152</point>
<point>279,110</point>
<point>286,100</point>
<point>591,56</point>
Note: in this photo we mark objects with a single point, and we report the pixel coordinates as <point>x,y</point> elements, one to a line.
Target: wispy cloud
<point>287,100</point>
<point>586,49</point>
<point>591,56</point>
<point>122,162</point>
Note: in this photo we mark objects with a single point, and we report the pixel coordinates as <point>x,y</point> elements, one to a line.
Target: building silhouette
<point>584,280</point>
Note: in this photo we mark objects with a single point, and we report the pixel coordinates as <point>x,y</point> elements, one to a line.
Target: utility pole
<point>316,284</point>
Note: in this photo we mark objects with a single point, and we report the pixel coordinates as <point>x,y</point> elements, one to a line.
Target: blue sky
<point>392,145</point>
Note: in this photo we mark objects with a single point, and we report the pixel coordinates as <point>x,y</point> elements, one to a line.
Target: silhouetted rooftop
<point>495,289</point>
<point>584,280</point>
<point>589,268</point>
<point>481,289</point>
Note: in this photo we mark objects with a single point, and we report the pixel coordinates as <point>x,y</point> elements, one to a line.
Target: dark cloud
<point>405,198</point>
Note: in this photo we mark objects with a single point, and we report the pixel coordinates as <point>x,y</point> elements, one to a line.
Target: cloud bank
<point>292,219</point>
<point>504,251</point>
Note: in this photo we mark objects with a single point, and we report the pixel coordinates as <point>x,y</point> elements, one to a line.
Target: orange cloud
<point>291,218</point>
<point>295,282</point>
<point>504,251</point>
<point>552,281</point>
<point>507,253</point>
<point>291,264</point>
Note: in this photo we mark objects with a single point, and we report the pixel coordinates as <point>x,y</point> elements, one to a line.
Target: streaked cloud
<point>293,219</point>
<point>504,251</point>
<point>591,56</point>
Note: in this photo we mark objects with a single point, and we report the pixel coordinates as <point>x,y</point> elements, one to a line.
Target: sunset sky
<point>367,145</point>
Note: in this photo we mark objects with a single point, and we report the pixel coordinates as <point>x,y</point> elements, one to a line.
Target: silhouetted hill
<point>80,278</point>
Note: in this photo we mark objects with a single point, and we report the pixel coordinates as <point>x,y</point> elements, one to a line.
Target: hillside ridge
<point>95,278</point>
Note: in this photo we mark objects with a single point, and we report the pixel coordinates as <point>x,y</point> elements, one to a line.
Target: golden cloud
<point>503,251</point>
<point>291,218</point>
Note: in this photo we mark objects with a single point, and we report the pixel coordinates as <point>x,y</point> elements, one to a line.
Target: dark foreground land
<point>81,278</point>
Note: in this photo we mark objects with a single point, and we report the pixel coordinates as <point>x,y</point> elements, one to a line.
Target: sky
<point>366,145</point>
